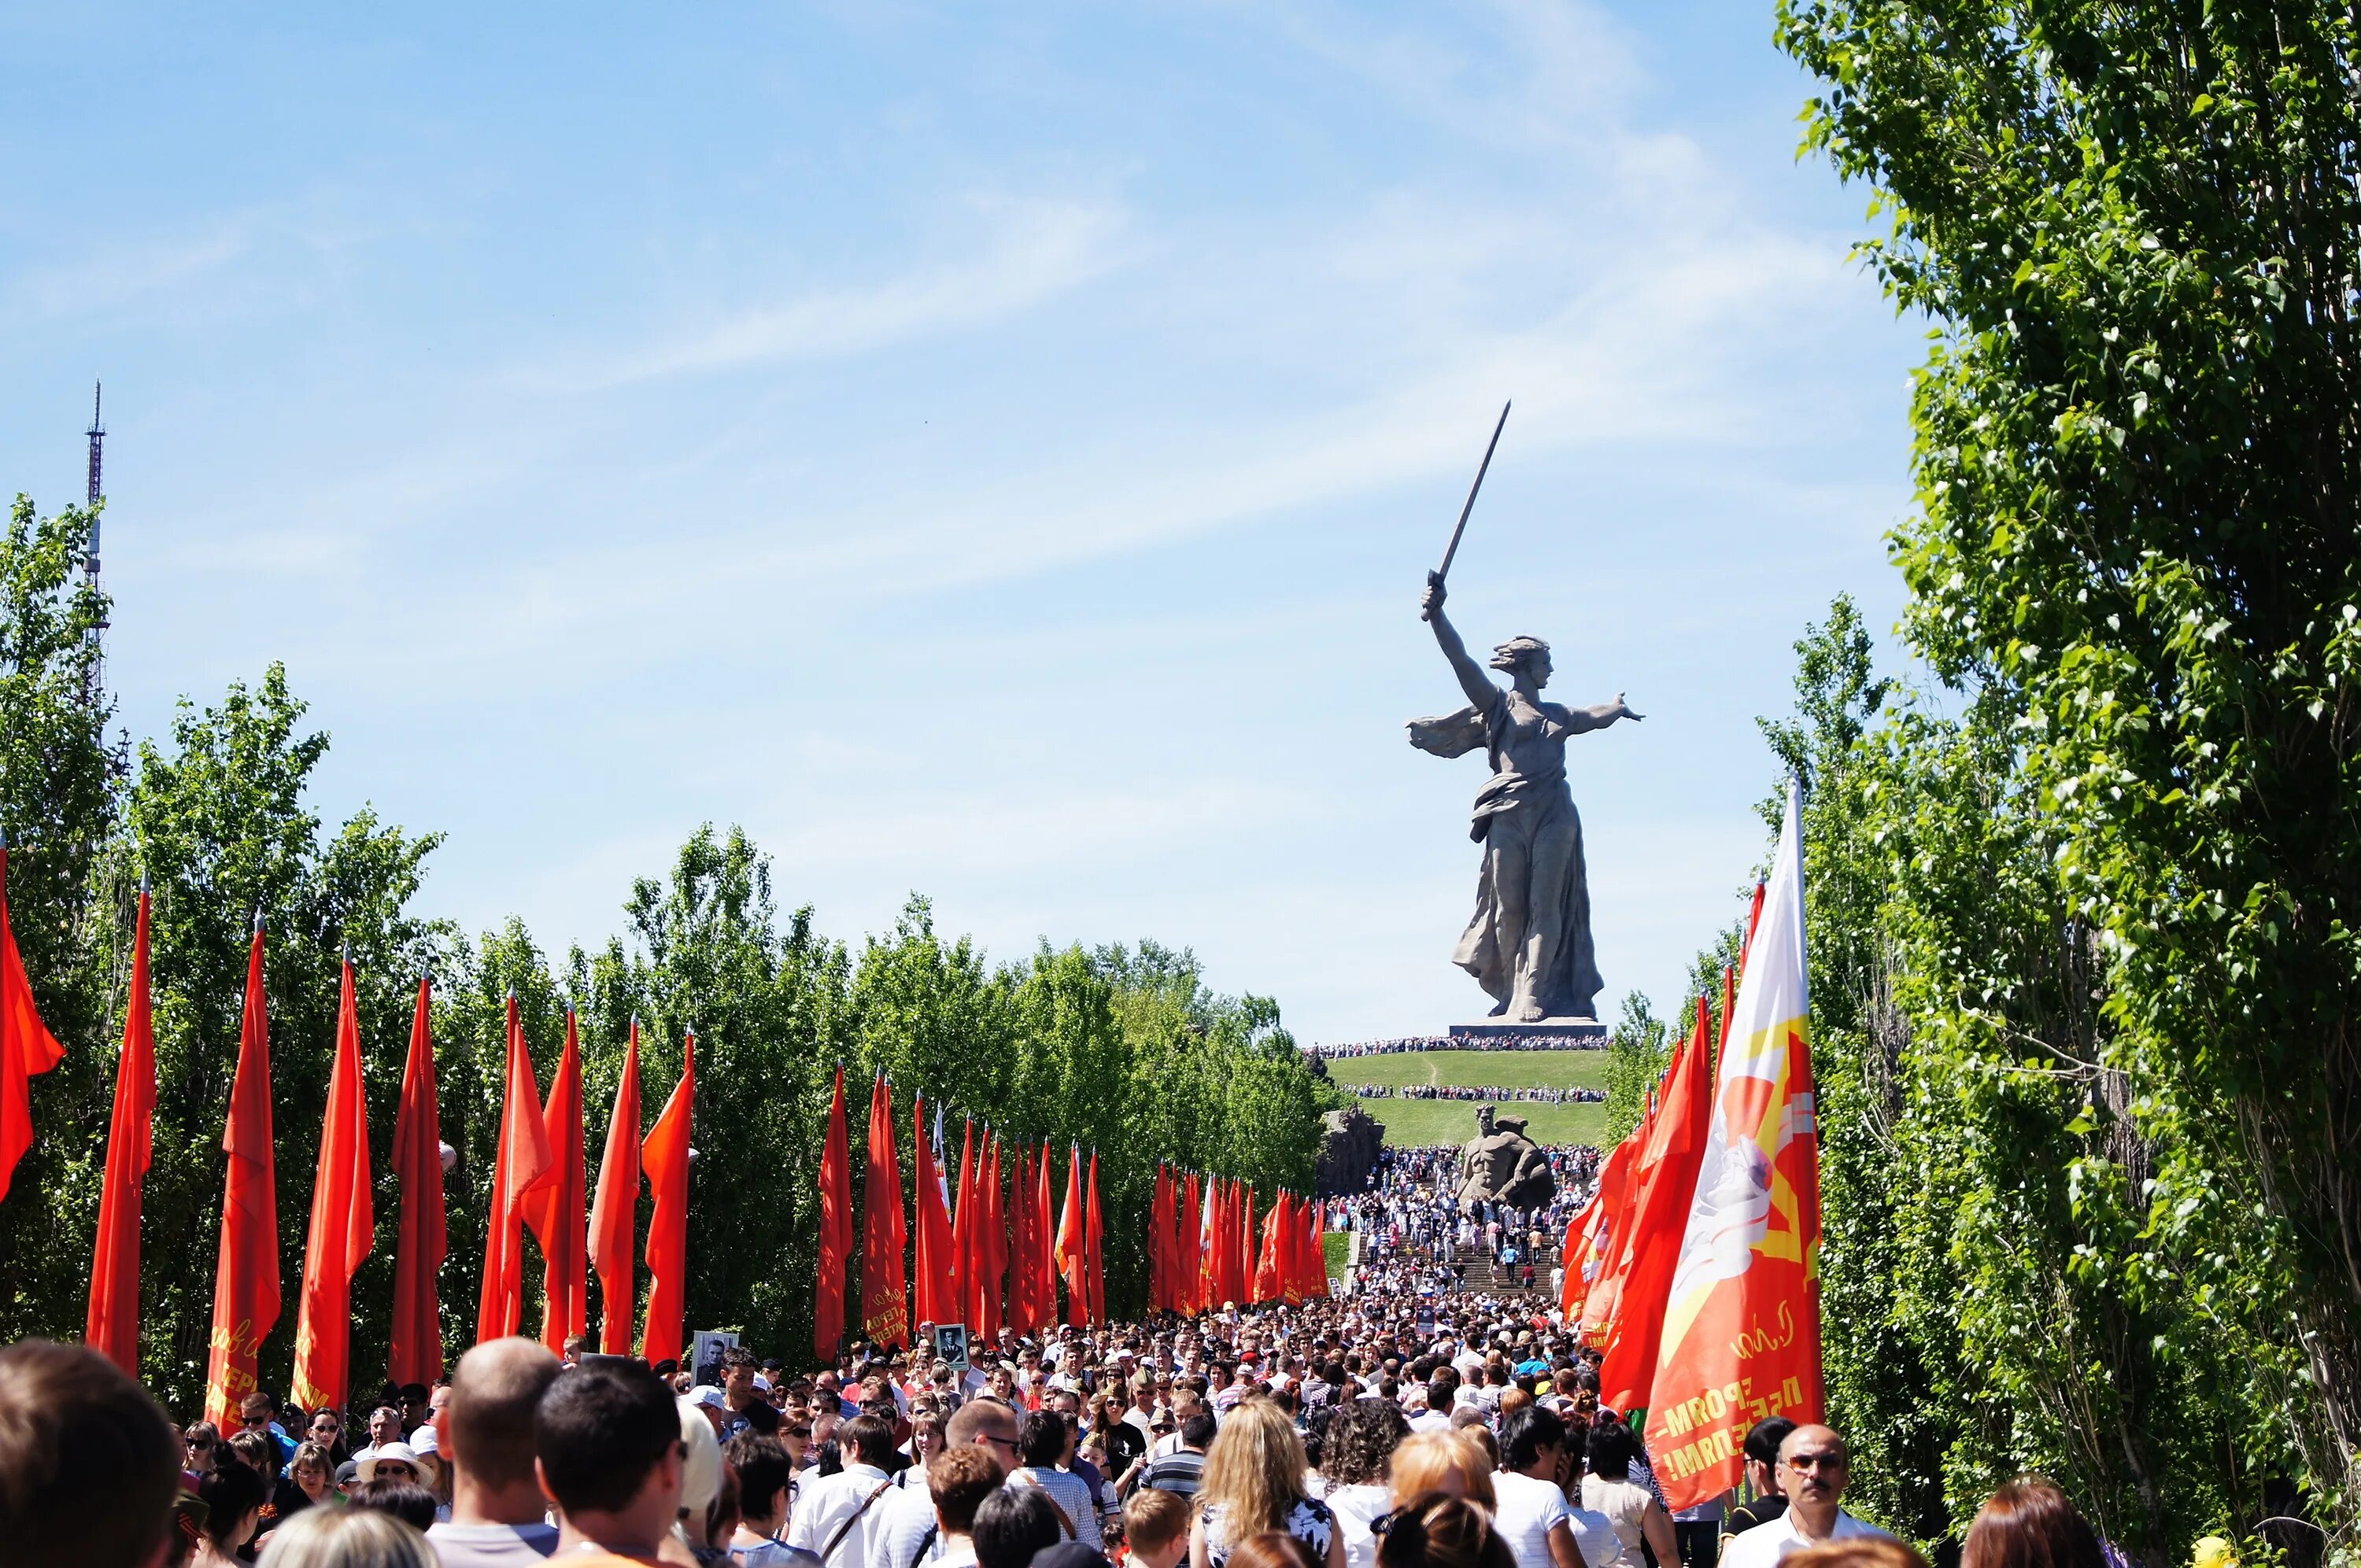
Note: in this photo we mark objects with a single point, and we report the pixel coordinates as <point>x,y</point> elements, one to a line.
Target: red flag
<point>417,1340</point>
<point>1024,1306</point>
<point>1243,1260</point>
<point>343,1227</point>
<point>884,1288</point>
<point>1742,1330</point>
<point>663,1157</point>
<point>519,1169</point>
<point>1607,1294</point>
<point>1595,1257</point>
<point>1096,1245</point>
<point>934,1303</point>
<point>1160,1227</point>
<point>616,1209</point>
<point>1045,1286</point>
<point>246,1276</point>
<point>835,1232</point>
<point>1318,1283</point>
<point>991,1244</point>
<point>1267,1285</point>
<point>28,1049</point>
<point>112,1326</point>
<point>1020,1245</point>
<point>1073,1246</point>
<point>963,1260</point>
<point>556,1211</point>
<point>1667,1184</point>
<point>1190,1233</point>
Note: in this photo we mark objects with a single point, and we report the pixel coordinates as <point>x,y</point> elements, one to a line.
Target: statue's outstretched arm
<point>1472,679</point>
<point>1602,715</point>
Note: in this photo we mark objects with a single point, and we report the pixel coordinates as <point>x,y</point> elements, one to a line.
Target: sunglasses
<point>397,1471</point>
<point>201,1444</point>
<point>799,1432</point>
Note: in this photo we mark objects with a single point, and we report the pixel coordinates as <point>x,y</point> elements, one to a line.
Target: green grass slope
<point>1414,1121</point>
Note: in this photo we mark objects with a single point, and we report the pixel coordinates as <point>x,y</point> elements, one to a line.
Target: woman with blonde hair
<point>1254,1483</point>
<point>1448,1461</point>
<point>347,1538</point>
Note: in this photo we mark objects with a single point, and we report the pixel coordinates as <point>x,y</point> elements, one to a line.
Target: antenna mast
<point>95,667</point>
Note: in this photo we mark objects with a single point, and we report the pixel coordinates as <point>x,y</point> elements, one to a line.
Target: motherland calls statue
<point>1502,1164</point>
<point>1529,944</point>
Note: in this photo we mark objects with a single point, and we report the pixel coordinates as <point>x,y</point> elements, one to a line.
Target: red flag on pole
<point>519,1169</point>
<point>1020,1245</point>
<point>1160,1227</point>
<point>1667,1184</point>
<point>245,1275</point>
<point>1266,1283</point>
<point>1073,1244</point>
<point>1741,1328</point>
<point>990,1242</point>
<point>28,1049</point>
<point>884,1289</point>
<point>416,1348</point>
<point>1045,1297</point>
<point>1593,1252</point>
<point>835,1232</point>
<point>934,1300</point>
<point>1191,1234</point>
<point>1243,1258</point>
<point>963,1260</point>
<point>1095,1245</point>
<point>615,1211</point>
<point>556,1211</point>
<point>663,1157</point>
<point>344,1226</point>
<point>112,1326</point>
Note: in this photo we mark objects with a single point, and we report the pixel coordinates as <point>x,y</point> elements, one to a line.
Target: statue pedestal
<point>1560,1034</point>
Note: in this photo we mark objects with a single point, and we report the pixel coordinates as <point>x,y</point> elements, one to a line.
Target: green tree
<point>2135,458</point>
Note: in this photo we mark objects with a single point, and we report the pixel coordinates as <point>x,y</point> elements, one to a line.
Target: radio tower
<point>95,667</point>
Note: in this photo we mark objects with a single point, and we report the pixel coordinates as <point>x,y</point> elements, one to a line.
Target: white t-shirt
<point>1527,1509</point>
<point>827,1502</point>
<point>1765,1544</point>
<point>1356,1508</point>
<point>1594,1537</point>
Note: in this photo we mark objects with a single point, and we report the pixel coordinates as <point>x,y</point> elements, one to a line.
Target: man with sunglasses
<point>1812,1473</point>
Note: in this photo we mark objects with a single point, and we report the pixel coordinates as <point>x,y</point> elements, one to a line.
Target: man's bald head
<point>488,1424</point>
<point>1812,1467</point>
<point>980,1421</point>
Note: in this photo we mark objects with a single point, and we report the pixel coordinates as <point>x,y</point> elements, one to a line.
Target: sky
<point>987,452</point>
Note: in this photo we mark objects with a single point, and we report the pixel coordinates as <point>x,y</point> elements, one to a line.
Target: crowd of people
<point>1418,1238</point>
<point>1484,1042</point>
<point>1384,1430</point>
<point>1465,1092</point>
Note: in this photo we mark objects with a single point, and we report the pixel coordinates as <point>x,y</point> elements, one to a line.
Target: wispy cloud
<point>1032,251</point>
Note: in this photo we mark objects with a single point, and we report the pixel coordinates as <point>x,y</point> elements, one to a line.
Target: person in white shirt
<point>908,1533</point>
<point>1422,1418</point>
<point>1531,1516</point>
<point>834,1516</point>
<point>498,1513</point>
<point>1812,1473</point>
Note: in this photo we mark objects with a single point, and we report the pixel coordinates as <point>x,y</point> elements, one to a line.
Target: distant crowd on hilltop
<point>1471,1091</point>
<point>1408,1043</point>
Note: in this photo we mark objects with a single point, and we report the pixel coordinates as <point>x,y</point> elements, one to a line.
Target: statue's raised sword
<point>1444,570</point>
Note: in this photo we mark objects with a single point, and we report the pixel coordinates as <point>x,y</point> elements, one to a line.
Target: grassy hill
<point>1411,1122</point>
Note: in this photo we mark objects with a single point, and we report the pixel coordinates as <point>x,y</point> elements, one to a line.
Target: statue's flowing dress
<point>1524,818</point>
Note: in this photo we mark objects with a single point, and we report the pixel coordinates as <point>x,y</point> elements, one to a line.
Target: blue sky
<point>987,451</point>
